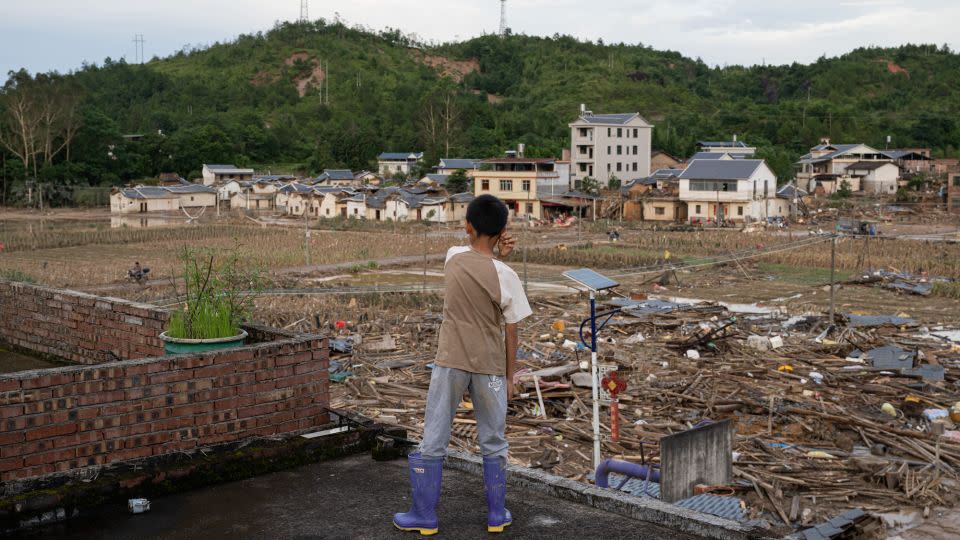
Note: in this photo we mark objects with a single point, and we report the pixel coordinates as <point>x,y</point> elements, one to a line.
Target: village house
<point>736,190</point>
<point>876,177</point>
<point>336,177</point>
<point>253,195</point>
<point>736,149</point>
<point>220,174</point>
<point>392,163</point>
<point>520,182</point>
<point>367,177</point>
<point>953,193</point>
<point>913,160</point>
<point>662,160</point>
<point>290,198</point>
<point>655,198</point>
<point>194,195</point>
<point>457,209</point>
<point>142,199</point>
<point>434,179</point>
<point>605,146</point>
<point>825,168</point>
<point>452,165</point>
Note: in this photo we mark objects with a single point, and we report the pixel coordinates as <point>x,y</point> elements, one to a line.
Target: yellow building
<point>519,182</point>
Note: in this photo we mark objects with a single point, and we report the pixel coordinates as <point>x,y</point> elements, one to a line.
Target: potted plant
<point>217,296</point>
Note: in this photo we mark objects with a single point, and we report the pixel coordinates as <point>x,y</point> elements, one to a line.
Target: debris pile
<point>827,418</point>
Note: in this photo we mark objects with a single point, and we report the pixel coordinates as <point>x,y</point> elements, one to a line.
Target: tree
<point>844,190</point>
<point>458,182</point>
<point>613,182</point>
<point>440,119</point>
<point>590,186</point>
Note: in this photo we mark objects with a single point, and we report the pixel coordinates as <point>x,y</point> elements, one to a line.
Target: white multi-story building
<point>735,190</point>
<point>604,146</point>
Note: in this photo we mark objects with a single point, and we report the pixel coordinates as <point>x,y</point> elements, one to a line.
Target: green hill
<point>307,96</point>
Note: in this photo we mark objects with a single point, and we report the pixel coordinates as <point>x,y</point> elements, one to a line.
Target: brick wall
<point>79,327</point>
<point>128,401</point>
<point>56,420</point>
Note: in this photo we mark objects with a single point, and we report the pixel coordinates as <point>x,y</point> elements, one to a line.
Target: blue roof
<point>666,173</point>
<point>148,192</point>
<point>723,144</point>
<point>438,178</point>
<point>458,163</point>
<point>337,174</point>
<point>721,169</point>
<point>620,118</point>
<point>399,156</point>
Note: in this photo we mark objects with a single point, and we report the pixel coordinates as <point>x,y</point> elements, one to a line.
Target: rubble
<point>810,436</point>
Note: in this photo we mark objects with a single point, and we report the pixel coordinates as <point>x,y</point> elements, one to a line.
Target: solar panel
<point>590,279</point>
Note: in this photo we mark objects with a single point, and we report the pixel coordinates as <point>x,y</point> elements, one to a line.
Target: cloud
<point>719,31</point>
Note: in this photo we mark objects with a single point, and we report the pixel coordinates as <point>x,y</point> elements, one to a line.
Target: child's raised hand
<point>507,244</point>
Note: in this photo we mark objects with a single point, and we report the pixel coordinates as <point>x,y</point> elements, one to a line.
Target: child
<point>473,353</point>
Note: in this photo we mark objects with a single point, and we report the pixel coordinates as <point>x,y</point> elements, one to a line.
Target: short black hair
<point>488,215</point>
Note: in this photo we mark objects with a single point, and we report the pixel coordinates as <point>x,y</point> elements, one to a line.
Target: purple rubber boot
<point>425,477</point>
<point>495,488</point>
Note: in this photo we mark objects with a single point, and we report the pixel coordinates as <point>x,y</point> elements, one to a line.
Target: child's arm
<point>510,342</point>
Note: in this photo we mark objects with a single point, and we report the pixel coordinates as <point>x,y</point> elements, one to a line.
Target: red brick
<point>10,464</point>
<point>50,431</point>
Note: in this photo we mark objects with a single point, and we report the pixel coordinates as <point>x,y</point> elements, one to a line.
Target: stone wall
<point>78,327</point>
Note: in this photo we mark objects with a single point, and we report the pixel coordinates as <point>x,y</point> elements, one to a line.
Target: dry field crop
<point>102,257</point>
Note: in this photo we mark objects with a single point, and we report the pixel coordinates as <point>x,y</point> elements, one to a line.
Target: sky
<point>44,35</point>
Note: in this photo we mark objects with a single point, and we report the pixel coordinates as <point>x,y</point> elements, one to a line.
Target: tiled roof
<point>869,165</point>
<point>337,174</point>
<point>191,188</point>
<point>719,169</point>
<point>147,192</point>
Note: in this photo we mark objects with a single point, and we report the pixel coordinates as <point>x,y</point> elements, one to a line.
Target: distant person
<point>136,272</point>
<point>473,353</point>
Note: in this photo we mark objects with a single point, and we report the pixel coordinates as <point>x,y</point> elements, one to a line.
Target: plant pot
<point>174,345</point>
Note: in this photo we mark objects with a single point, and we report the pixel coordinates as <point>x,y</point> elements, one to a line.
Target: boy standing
<point>473,353</point>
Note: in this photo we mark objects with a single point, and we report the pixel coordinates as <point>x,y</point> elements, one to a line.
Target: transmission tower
<point>503,17</point>
<point>138,47</point>
<point>304,8</point>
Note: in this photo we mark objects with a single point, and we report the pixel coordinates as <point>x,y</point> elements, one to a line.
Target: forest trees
<point>39,118</point>
<point>440,120</point>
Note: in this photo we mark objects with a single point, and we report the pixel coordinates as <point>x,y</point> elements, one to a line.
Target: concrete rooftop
<point>353,497</point>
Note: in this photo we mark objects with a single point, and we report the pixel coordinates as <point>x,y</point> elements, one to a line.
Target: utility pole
<point>523,239</point>
<point>306,235</point>
<point>304,9</point>
<point>425,229</point>
<point>833,267</point>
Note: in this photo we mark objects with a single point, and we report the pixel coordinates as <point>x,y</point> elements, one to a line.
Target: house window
<point>328,211</point>
<point>608,150</point>
<point>619,132</point>
<point>506,185</point>
<point>956,181</point>
<point>619,150</point>
<point>659,210</point>
<point>634,149</point>
<point>485,185</point>
<point>739,210</point>
<point>608,167</point>
<point>529,208</point>
<point>696,209</point>
<point>191,198</point>
<point>525,185</point>
<point>618,166</point>
<point>710,185</point>
<point>634,132</point>
<point>583,167</point>
<point>608,132</point>
<point>354,211</point>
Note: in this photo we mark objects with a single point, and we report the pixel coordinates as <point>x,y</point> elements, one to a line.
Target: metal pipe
<point>625,468</point>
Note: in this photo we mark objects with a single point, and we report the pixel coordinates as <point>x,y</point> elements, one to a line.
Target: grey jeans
<point>489,396</point>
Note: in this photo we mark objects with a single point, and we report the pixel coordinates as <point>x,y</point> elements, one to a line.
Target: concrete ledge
<point>643,509</point>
